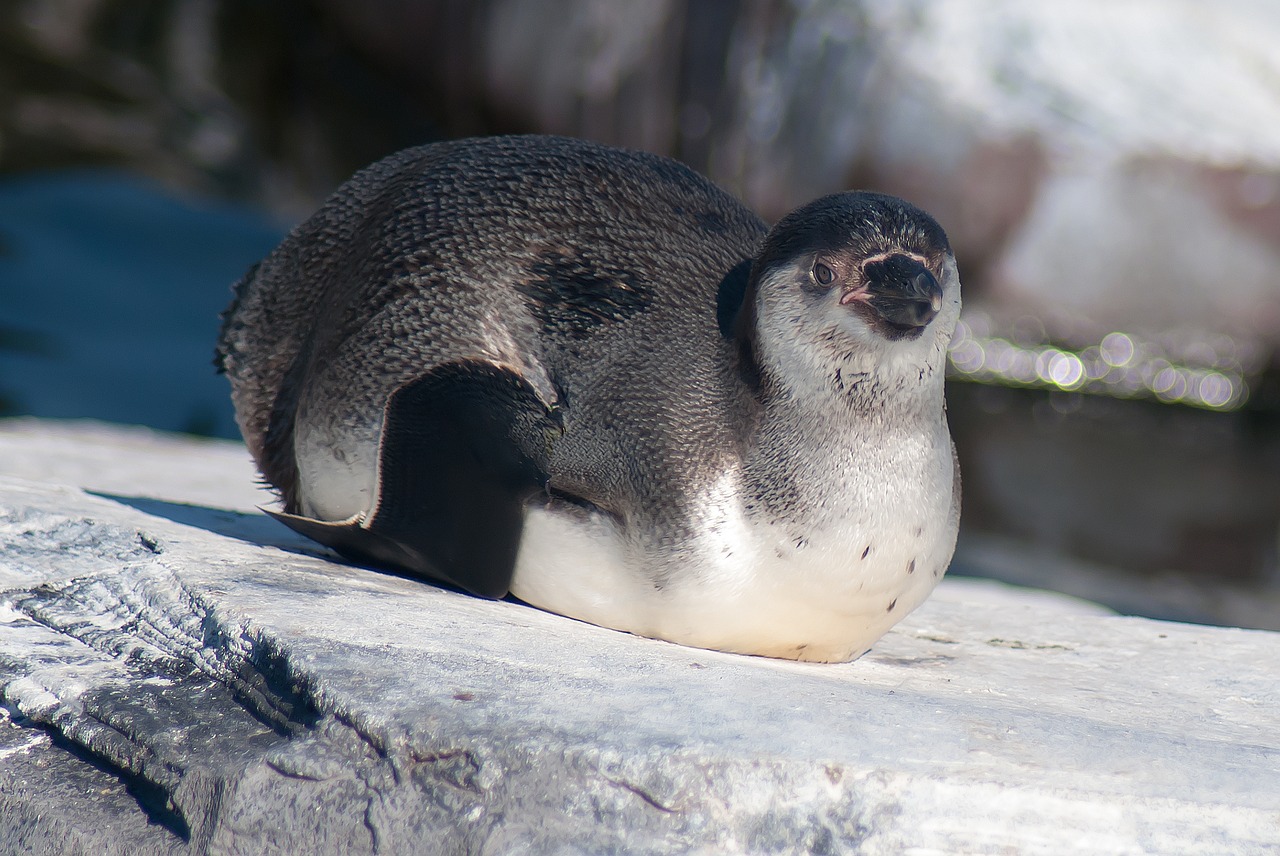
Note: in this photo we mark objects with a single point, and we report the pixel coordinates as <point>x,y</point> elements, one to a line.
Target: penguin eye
<point>822,274</point>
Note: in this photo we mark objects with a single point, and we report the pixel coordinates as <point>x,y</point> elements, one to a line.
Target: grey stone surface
<point>185,678</point>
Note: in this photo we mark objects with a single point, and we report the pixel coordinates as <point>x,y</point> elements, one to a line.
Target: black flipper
<point>463,450</point>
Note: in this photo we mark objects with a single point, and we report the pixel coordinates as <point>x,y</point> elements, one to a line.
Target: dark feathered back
<point>527,233</point>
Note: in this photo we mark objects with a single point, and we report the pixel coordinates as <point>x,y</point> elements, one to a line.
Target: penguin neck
<point>818,434</point>
<point>898,382</point>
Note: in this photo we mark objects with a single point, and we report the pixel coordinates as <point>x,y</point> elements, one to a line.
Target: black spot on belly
<point>578,294</point>
<point>866,551</point>
<point>919,531</point>
<point>892,604</point>
<point>911,566</point>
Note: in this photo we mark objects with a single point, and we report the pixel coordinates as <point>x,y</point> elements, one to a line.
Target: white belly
<point>745,586</point>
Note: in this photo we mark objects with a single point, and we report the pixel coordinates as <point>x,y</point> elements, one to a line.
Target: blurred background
<point>1109,174</point>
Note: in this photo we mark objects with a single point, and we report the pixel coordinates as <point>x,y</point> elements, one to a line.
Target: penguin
<point>589,378</point>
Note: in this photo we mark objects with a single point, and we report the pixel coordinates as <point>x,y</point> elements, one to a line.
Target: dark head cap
<point>858,223</point>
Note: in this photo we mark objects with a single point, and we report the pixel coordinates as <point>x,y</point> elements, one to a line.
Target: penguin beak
<point>900,289</point>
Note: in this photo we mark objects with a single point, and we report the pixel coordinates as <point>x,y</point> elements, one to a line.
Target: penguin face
<point>855,273</point>
<point>894,294</point>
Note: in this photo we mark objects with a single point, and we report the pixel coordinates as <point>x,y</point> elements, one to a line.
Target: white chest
<point>878,536</point>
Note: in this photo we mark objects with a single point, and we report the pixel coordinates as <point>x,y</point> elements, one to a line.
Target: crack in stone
<point>644,795</point>
<point>148,636</point>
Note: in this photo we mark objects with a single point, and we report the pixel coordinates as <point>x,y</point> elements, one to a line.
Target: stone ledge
<point>194,678</point>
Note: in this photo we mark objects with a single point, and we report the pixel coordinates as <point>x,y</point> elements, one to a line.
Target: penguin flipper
<point>456,469</point>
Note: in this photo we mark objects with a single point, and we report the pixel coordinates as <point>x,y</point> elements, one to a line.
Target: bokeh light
<point>1206,372</point>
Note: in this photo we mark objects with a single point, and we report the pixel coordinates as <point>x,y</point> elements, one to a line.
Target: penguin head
<point>854,275</point>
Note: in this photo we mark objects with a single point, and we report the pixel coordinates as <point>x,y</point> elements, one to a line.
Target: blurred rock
<point>270,103</point>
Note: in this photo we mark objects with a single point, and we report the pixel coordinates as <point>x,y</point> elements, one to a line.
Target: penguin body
<point>592,379</point>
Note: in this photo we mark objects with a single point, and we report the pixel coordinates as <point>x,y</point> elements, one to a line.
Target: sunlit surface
<point>1180,367</point>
